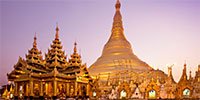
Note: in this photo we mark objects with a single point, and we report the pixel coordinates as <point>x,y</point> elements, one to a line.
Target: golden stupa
<point>117,53</point>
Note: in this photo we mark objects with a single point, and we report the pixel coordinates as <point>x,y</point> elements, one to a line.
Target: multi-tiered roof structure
<point>53,76</point>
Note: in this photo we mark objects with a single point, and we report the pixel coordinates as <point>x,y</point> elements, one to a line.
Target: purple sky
<point>161,32</point>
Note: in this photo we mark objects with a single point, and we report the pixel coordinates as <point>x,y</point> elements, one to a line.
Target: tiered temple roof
<point>170,76</point>
<point>75,66</point>
<point>20,70</point>
<point>55,63</point>
<point>34,59</point>
<point>56,56</point>
<point>184,78</point>
<point>197,75</point>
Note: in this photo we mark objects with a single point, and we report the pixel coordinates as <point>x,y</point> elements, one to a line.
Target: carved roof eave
<point>51,75</point>
<point>82,79</point>
<point>40,63</point>
<point>59,75</point>
<point>59,46</point>
<point>37,69</point>
<point>20,61</point>
<point>22,70</point>
<point>18,77</point>
<point>85,67</point>
<point>12,77</point>
<point>70,72</point>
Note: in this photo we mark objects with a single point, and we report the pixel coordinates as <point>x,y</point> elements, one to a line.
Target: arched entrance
<point>124,91</point>
<point>94,94</point>
<point>152,94</point>
<point>123,94</point>
<point>186,92</point>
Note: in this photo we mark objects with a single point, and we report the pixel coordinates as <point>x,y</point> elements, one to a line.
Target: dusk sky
<point>161,32</point>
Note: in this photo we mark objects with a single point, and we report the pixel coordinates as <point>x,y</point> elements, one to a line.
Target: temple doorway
<point>186,92</point>
<point>152,94</point>
<point>123,94</point>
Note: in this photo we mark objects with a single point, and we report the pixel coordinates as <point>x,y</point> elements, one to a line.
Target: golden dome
<point>117,53</point>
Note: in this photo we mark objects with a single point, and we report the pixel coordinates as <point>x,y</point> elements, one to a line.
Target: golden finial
<point>118,5</point>
<point>75,49</point>
<point>199,68</point>
<point>35,41</point>
<point>185,64</point>
<point>57,31</point>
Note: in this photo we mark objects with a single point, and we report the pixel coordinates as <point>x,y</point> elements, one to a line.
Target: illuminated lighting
<point>94,94</point>
<point>186,92</point>
<point>152,94</point>
<point>123,94</point>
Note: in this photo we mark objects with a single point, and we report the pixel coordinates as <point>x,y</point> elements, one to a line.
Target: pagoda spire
<point>190,77</point>
<point>170,76</point>
<point>56,56</point>
<point>116,50</point>
<point>118,5</point>
<point>57,31</point>
<point>75,59</point>
<point>169,71</point>
<point>199,68</point>
<point>75,49</point>
<point>34,55</point>
<point>117,28</point>
<point>35,42</point>
<point>184,74</point>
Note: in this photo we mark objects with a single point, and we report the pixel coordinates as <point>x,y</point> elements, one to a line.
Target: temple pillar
<point>75,89</point>
<point>88,89</point>
<point>31,87</point>
<point>80,90</point>
<point>67,89</point>
<point>54,88</point>
<point>16,89</point>
<point>27,90</point>
<point>41,88</point>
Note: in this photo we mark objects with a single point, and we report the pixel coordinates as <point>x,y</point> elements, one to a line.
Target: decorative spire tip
<point>75,49</point>
<point>57,30</point>
<point>118,5</point>
<point>35,41</point>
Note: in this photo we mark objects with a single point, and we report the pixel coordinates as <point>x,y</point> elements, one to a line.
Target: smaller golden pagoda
<point>184,86</point>
<point>196,84</point>
<point>52,77</point>
<point>169,86</point>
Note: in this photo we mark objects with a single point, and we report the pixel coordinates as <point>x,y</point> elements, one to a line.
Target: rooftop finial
<point>75,49</point>
<point>170,71</point>
<point>118,5</point>
<point>199,68</point>
<point>57,31</point>
<point>185,64</point>
<point>35,41</point>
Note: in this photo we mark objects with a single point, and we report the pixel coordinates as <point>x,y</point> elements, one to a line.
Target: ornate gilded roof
<point>75,59</point>
<point>183,78</point>
<point>20,69</point>
<point>54,65</point>
<point>34,58</point>
<point>197,75</point>
<point>56,56</point>
<point>170,78</point>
